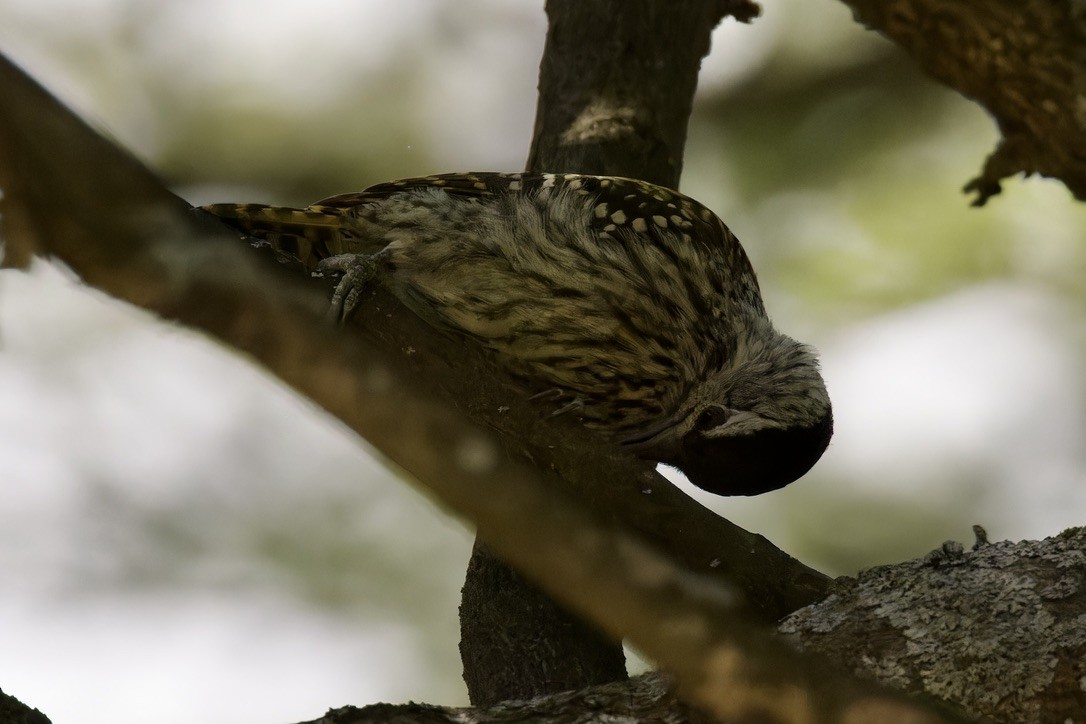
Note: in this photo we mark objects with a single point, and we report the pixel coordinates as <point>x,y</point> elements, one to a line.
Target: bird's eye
<point>712,416</point>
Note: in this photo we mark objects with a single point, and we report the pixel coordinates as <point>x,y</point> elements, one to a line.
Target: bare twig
<point>1023,60</point>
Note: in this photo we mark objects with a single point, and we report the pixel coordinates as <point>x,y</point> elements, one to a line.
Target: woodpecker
<point>636,303</point>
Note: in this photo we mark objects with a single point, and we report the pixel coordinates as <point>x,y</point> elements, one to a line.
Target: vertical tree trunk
<point>616,87</point>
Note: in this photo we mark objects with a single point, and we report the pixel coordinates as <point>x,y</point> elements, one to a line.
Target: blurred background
<point>182,539</point>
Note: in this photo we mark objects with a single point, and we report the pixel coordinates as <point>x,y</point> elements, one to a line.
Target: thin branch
<point>1023,60</point>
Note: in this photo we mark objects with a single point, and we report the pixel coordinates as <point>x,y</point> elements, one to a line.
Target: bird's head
<point>755,426</point>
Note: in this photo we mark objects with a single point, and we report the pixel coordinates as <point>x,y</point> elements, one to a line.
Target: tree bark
<point>648,698</point>
<point>616,85</point>
<point>1023,60</point>
<point>617,82</point>
<point>517,643</point>
<point>997,630</point>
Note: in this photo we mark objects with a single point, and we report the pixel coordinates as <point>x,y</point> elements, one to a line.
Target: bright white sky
<point>977,396</point>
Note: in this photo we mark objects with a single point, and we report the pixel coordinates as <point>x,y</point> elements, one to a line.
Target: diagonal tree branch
<point>71,194</point>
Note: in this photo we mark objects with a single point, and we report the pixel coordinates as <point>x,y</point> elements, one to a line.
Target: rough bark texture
<point>999,629</point>
<point>1023,60</point>
<point>516,642</point>
<point>617,83</point>
<point>648,698</point>
<point>616,86</point>
<point>121,230</point>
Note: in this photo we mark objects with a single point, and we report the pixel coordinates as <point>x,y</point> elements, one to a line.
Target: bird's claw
<point>558,394</point>
<point>358,272</point>
<point>574,405</point>
<point>553,393</point>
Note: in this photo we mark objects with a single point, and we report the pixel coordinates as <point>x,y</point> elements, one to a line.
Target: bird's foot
<point>557,394</point>
<point>574,405</point>
<point>553,393</point>
<point>359,271</point>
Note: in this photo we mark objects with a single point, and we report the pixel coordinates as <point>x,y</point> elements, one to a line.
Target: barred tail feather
<point>309,234</point>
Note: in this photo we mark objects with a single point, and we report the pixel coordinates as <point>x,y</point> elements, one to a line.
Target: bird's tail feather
<point>308,234</point>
